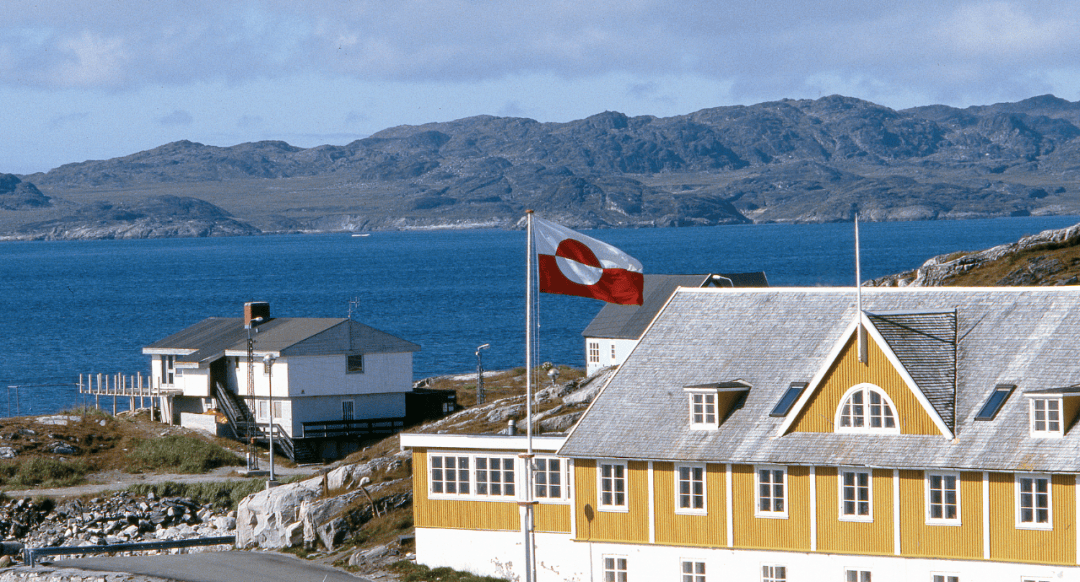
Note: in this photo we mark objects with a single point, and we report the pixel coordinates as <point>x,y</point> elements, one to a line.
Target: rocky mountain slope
<point>785,161</point>
<point>1051,257</point>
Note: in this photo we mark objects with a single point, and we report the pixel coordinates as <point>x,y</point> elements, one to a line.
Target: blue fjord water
<point>90,306</point>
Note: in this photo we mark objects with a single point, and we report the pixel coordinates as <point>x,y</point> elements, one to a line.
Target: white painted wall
<point>561,560</point>
<point>623,347</point>
<point>322,408</point>
<point>326,375</point>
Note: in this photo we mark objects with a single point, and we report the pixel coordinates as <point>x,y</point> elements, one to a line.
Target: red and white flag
<point>571,263</point>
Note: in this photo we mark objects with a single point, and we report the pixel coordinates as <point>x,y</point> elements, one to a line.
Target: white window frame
<point>1049,524</point>
<point>278,409</point>
<point>944,577</point>
<point>614,505</point>
<point>494,479</point>
<point>773,573</point>
<point>927,482</point>
<point>594,352</point>
<point>867,389</point>
<point>614,358</point>
<point>859,575</point>
<point>457,481</point>
<point>613,568</point>
<point>1034,579</point>
<point>708,418</point>
<point>691,481</point>
<point>472,480</point>
<point>1042,428</point>
<point>784,497</point>
<point>841,499</point>
<point>563,473</point>
<point>692,569</point>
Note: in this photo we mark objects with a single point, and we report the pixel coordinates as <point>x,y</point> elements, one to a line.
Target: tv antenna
<point>354,307</point>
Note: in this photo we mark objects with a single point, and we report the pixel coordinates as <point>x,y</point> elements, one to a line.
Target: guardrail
<point>31,555</point>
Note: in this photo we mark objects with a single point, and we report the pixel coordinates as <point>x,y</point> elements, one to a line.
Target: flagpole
<point>858,296</point>
<point>527,494</point>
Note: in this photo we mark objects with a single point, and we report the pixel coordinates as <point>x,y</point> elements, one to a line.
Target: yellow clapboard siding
<point>792,533</point>
<point>615,526</point>
<point>552,517</point>
<point>452,513</point>
<point>708,530</point>
<point>851,537</point>
<point>1008,543</point>
<point>847,372</point>
<point>917,538</point>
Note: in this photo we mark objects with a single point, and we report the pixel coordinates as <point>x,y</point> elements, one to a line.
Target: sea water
<point>90,306</point>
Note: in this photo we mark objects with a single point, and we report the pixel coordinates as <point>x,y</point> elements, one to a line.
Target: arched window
<point>865,408</point>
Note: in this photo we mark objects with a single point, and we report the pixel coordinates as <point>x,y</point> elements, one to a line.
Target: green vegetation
<point>220,493</point>
<point>43,472</point>
<point>179,454</point>
<point>410,572</point>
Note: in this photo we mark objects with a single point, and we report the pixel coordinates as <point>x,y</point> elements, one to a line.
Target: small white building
<point>325,381</point>
<point>615,331</point>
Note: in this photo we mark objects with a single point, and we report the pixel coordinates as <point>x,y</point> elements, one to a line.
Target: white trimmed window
<point>168,370</point>
<point>612,486</point>
<point>614,569</point>
<point>857,576</point>
<point>449,475</point>
<point>943,498</point>
<point>693,571</point>
<point>613,353</point>
<point>1033,502</point>
<point>495,476</point>
<point>866,408</point>
<point>703,409</point>
<point>1046,418</point>
<point>548,478</point>
<point>773,573</point>
<point>945,578</point>
<point>594,352</point>
<point>771,492</point>
<point>1030,579</point>
<point>690,489</point>
<point>856,503</point>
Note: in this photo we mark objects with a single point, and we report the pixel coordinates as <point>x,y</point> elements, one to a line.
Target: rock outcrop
<point>1038,269</point>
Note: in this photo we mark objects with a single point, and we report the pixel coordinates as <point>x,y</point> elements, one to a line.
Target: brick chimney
<point>256,312</point>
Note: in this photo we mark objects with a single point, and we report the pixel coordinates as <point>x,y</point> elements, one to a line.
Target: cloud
<point>178,117</point>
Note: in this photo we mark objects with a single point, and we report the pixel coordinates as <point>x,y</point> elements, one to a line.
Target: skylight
<point>995,402</point>
<point>788,399</point>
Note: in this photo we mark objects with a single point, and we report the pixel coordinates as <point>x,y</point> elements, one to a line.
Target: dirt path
<point>114,480</point>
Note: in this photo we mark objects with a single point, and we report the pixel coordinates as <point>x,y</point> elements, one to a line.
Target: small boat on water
<point>362,234</point>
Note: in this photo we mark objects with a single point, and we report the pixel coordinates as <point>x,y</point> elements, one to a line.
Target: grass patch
<point>43,472</point>
<point>180,454</point>
<point>226,494</point>
<point>410,572</point>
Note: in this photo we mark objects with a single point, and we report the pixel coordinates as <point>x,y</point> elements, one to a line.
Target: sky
<point>95,80</point>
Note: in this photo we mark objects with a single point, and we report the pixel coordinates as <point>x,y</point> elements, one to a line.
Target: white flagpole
<point>858,296</point>
<point>527,458</point>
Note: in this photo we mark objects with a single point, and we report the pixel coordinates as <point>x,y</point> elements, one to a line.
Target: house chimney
<point>256,310</point>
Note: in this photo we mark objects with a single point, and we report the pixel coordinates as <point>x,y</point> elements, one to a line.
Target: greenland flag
<point>571,263</point>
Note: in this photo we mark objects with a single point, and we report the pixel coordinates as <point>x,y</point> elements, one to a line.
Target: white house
<point>324,380</point>
<point>615,331</point>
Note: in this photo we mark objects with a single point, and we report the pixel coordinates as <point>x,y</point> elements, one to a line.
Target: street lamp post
<point>480,374</point>
<point>268,360</point>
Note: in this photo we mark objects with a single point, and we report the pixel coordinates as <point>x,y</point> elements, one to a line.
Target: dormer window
<point>866,408</point>
<point>710,403</point>
<point>1046,417</point>
<point>1052,411</point>
<point>703,410</point>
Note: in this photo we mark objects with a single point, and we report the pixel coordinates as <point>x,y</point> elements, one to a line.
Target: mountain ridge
<point>819,160</point>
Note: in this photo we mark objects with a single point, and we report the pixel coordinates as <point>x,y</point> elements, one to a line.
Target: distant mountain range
<point>817,160</point>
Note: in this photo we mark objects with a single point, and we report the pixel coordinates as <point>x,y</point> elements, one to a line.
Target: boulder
<point>262,518</point>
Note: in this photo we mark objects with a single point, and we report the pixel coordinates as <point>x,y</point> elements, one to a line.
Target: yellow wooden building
<point>783,435</point>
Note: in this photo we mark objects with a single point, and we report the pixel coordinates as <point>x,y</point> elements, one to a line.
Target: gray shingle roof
<point>629,321</point>
<point>772,337</point>
<point>212,337</point>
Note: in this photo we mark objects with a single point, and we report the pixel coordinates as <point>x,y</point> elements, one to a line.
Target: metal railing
<point>341,428</point>
<point>31,555</point>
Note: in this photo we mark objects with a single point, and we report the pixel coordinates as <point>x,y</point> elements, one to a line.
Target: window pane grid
<point>856,494</point>
<point>943,497</point>
<point>613,485</point>
<point>548,476</point>
<point>693,571</point>
<point>691,488</point>
<point>1034,500</point>
<point>771,491</point>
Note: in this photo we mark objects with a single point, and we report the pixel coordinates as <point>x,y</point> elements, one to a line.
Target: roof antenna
<point>858,296</point>
<point>354,306</point>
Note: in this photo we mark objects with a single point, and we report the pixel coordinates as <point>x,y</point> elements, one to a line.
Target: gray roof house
<point>317,378</point>
<point>613,333</point>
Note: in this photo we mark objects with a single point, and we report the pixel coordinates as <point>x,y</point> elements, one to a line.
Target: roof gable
<point>816,409</point>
